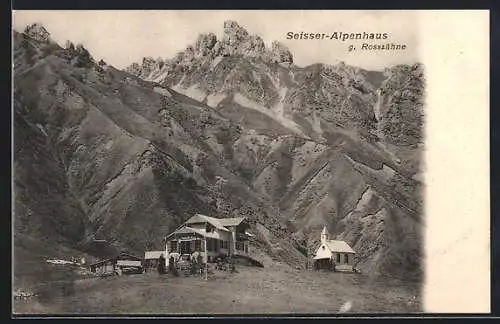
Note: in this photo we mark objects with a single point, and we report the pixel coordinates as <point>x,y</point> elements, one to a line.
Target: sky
<point>122,37</point>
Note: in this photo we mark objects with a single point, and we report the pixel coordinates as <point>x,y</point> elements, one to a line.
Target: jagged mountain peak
<point>38,32</point>
<point>205,44</point>
<point>280,53</point>
<point>238,41</point>
<point>232,24</point>
<point>240,71</point>
<point>233,30</point>
<point>235,41</point>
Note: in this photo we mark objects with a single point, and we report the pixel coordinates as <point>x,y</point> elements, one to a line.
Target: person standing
<point>171,264</point>
<point>161,264</point>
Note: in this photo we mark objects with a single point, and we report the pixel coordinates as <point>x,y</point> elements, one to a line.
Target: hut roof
<point>190,230</point>
<point>149,255</point>
<point>199,218</point>
<point>339,246</point>
<point>119,256</point>
<point>129,263</point>
<point>234,221</point>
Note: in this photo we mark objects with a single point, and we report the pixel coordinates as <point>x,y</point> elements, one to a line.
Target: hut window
<point>346,258</point>
<point>197,245</point>
<point>173,246</point>
<point>338,257</point>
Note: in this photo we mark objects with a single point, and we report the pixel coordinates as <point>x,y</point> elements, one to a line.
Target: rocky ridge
<point>238,70</point>
<point>236,41</point>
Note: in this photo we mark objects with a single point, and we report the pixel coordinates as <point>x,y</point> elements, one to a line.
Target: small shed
<point>151,259</point>
<point>121,263</point>
<point>103,267</point>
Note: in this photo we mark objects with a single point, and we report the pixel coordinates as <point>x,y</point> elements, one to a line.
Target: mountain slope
<point>227,127</point>
<point>334,135</point>
<point>139,158</point>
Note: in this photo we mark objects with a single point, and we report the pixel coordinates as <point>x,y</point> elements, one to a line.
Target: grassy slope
<point>251,290</point>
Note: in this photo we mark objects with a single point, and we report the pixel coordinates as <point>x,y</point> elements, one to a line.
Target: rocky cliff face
<point>226,127</point>
<point>239,70</point>
<point>401,101</point>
